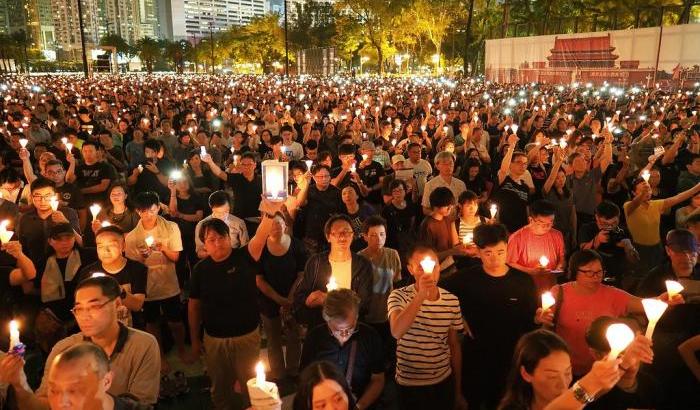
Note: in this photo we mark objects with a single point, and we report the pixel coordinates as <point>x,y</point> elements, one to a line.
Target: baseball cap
<point>397,158</point>
<point>681,240</point>
<point>367,146</point>
<point>60,230</point>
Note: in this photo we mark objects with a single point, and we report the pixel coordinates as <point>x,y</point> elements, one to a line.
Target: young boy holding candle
<point>425,319</point>
<point>438,228</point>
<point>498,303</point>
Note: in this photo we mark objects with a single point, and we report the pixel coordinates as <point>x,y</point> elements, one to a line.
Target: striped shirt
<point>422,353</point>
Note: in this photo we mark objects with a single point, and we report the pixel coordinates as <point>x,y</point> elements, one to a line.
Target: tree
<point>261,41</point>
<point>377,19</point>
<point>432,18</point>
<point>149,51</point>
<point>175,52</point>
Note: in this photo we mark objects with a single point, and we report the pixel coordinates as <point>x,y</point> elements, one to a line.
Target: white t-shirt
<point>421,172</point>
<point>295,151</point>
<point>342,273</point>
<point>456,186</point>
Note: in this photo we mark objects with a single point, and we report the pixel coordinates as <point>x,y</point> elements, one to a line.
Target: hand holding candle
<point>467,238</point>
<point>54,203</point>
<point>654,308</point>
<point>673,288</point>
<point>23,142</point>
<point>547,300</point>
<point>619,336</point>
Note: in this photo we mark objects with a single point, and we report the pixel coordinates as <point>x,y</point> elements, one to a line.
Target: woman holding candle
<point>117,212</point>
<point>467,220</point>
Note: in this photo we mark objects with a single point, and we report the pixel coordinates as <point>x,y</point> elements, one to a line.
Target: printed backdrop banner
<point>621,57</point>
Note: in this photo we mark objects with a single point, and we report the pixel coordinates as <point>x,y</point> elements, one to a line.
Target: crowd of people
<point>404,269</point>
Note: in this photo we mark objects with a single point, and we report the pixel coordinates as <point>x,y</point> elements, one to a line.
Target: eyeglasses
<point>89,310</point>
<point>542,223</point>
<point>343,332</point>
<point>592,273</point>
<point>342,234</point>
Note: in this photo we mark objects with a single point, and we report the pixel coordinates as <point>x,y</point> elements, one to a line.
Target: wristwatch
<point>581,395</point>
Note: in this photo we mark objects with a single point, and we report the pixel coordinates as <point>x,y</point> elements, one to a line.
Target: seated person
<point>133,354</point>
<point>356,348</point>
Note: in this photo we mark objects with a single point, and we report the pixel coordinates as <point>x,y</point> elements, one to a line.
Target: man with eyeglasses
<point>133,354</point>
<point>538,248</point>
<point>356,348</point>
<point>33,226</point>
<point>445,163</point>
<point>318,201</point>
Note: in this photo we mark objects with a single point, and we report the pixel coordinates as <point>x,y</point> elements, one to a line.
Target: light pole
<point>286,43</point>
<point>82,37</point>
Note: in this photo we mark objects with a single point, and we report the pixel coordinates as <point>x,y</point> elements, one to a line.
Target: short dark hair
<point>580,258</point>
<point>542,207</point>
<point>490,235</point>
<point>53,162</point>
<point>81,350</point>
<point>155,145</point>
<point>41,182</point>
<point>145,200</point>
<point>324,155</point>
<point>467,196</point>
<point>398,183</point>
<point>418,246</point>
<point>9,175</point>
<point>311,144</point>
<point>94,143</point>
<point>441,196</point>
<point>286,128</point>
<point>607,210</point>
<point>107,284</point>
<point>318,167</point>
<point>213,224</point>
<point>275,139</point>
<point>218,198</point>
<point>372,221</point>
<point>346,149</point>
<point>333,219</point>
<point>113,229</point>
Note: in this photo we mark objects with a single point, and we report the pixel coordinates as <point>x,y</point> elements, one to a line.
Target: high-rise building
<point>67,26</point>
<point>196,18</point>
<point>121,17</point>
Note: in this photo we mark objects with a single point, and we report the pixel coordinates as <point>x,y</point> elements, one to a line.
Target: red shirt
<point>525,248</point>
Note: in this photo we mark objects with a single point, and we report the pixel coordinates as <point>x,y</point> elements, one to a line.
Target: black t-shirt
<point>246,195</point>
<point>132,276</point>
<point>91,175</point>
<point>613,255</point>
<point>319,207</point>
<point>228,294</point>
<point>70,193</point>
<point>280,272</point>
<point>512,199</point>
<point>489,303</point>
<point>148,181</point>
<point>370,175</point>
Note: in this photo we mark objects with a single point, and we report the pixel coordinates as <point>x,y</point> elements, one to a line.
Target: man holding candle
<point>33,226</point>
<point>491,295</point>
<point>350,270</point>
<point>162,287</point>
<point>426,319</point>
<point>538,248</point>
<point>223,299</point>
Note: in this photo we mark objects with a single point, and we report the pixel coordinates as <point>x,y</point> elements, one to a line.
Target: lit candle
<point>646,175</point>
<point>353,168</point>
<point>619,336</point>
<point>548,300</point>
<point>105,223</point>
<point>5,236</point>
<point>673,288</point>
<point>149,241</point>
<point>364,157</point>
<point>23,142</point>
<point>260,374</point>
<point>493,210</point>
<point>428,264</point>
<point>54,203</point>
<point>468,238</point>
<point>69,147</point>
<point>98,275</point>
<point>140,167</point>
<point>544,261</point>
<point>332,284</point>
<point>654,308</point>
<point>14,334</point>
<point>94,210</point>
<point>514,128</point>
<point>562,144</point>
<point>309,163</point>
<point>176,175</point>
<point>184,164</point>
<point>64,140</point>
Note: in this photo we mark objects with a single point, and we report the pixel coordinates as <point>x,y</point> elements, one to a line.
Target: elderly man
<point>355,347</point>
<point>445,163</point>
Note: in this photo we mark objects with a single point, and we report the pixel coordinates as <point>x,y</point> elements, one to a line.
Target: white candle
<point>14,334</point>
<point>5,236</point>
<point>364,157</point>
<point>514,128</point>
<point>332,284</point>
<point>468,238</point>
<point>149,241</point>
<point>493,210</point>
<point>69,147</point>
<point>260,374</point>
<point>140,167</point>
<point>23,142</point>
<point>64,140</point>
<point>562,144</point>
<point>544,261</point>
<point>673,288</point>
<point>428,264</point>
<point>4,224</point>
<point>619,336</point>
<point>309,163</point>
<point>176,175</point>
<point>94,210</point>
<point>548,300</point>
<point>654,308</point>
<point>54,203</point>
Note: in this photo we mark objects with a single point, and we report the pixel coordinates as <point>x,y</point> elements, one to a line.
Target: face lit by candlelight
<point>551,377</point>
<point>340,234</point>
<point>110,247</point>
<point>77,384</point>
<point>329,395</point>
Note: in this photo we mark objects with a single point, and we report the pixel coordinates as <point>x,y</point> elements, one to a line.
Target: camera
<point>615,234</point>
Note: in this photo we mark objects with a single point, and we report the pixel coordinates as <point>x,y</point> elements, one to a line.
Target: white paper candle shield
<point>548,300</point>
<point>332,284</point>
<point>309,163</point>
<point>654,308</point>
<point>23,142</point>
<point>69,147</point>
<point>54,203</point>
<point>493,210</point>
<point>619,336</point>
<point>428,264</point>
<point>646,175</point>
<point>673,288</point>
<point>105,223</point>
<point>275,176</point>
<point>95,210</point>
<point>176,175</point>
<point>468,238</point>
<point>149,241</point>
<point>5,236</point>
<point>14,334</point>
